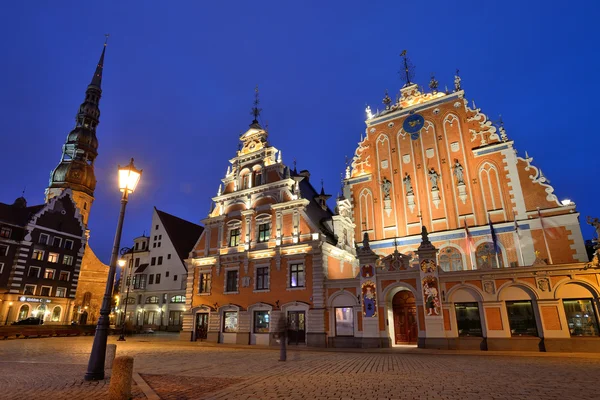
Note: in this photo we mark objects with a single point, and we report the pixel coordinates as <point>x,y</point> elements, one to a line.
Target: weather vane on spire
<point>255,110</point>
<point>408,71</point>
<point>106,35</point>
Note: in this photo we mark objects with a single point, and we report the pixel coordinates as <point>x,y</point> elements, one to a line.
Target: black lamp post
<point>129,177</point>
<point>124,251</point>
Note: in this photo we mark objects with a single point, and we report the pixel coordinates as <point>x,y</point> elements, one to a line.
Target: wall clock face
<point>413,124</point>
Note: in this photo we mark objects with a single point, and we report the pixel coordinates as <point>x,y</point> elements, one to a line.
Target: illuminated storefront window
<point>261,321</point>
<point>230,321</point>
<point>581,317</point>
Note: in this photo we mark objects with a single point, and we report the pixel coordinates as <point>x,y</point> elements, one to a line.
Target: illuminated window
<point>344,321</point>
<point>53,257</point>
<point>451,259</point>
<point>264,232</point>
<point>234,237</point>
<point>5,232</point>
<point>230,321</point>
<point>49,273</point>
<point>152,300</point>
<point>261,321</point>
<point>61,292</point>
<point>56,313</point>
<point>23,312</point>
<point>131,300</point>
<point>38,254</point>
<point>175,318</point>
<point>297,278</point>
<point>67,260</point>
<point>486,257</point>
<point>178,299</point>
<point>581,317</point>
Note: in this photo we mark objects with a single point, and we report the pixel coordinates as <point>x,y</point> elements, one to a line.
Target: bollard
<point>282,348</point>
<point>121,378</point>
<point>111,351</point>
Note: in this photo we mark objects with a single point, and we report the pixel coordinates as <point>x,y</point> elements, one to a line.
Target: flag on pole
<point>469,245</point>
<point>547,226</point>
<point>494,237</point>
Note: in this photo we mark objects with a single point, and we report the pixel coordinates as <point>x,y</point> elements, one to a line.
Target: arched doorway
<point>405,318</point>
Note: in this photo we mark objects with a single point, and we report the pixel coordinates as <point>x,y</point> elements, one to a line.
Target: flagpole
<point>544,235</point>
<point>519,243</point>
<point>469,246</point>
<point>494,240</point>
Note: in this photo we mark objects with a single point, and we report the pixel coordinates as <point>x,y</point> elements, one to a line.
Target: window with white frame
<point>204,282</point>
<point>178,299</point>
<point>486,256</point>
<point>3,250</point>
<point>53,257</point>
<point>67,260</point>
<point>5,232</point>
<point>451,259</point>
<point>231,278</point>
<point>230,321</point>
<point>262,278</point>
<point>1,267</point>
<point>344,321</point>
<point>297,275</point>
<point>49,273</point>
<point>264,232</point>
<point>61,292</point>
<point>64,276</point>
<point>68,244</point>
<point>56,241</point>
<point>46,291</point>
<point>44,238</point>
<point>34,272</point>
<point>38,254</point>
<point>234,237</point>
<point>29,289</point>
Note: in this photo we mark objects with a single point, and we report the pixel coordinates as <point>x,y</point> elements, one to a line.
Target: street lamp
<point>124,251</point>
<point>129,177</point>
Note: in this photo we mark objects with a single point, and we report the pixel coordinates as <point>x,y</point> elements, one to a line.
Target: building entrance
<point>296,327</point>
<point>405,318</point>
<point>201,325</point>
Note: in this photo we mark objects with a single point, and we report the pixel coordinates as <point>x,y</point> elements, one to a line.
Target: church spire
<point>97,78</point>
<point>76,168</point>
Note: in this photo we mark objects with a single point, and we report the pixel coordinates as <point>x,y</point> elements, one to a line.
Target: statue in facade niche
<point>458,172</point>
<point>433,177</point>
<point>386,186</point>
<point>408,185</point>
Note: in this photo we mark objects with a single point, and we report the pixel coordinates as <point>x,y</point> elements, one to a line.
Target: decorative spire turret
<point>255,110</point>
<point>76,168</point>
<point>408,69</point>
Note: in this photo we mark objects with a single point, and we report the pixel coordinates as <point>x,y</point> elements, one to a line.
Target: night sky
<point>179,81</point>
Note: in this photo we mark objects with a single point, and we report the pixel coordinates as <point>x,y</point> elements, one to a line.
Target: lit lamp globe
<point>129,177</point>
<point>121,263</point>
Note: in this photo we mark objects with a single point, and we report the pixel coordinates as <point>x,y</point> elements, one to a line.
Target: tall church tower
<point>76,167</point>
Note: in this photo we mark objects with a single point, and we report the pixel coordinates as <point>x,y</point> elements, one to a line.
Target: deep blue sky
<point>179,79</point>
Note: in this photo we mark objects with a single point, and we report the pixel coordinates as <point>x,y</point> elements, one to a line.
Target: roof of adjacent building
<point>314,211</point>
<point>183,234</point>
<point>18,213</point>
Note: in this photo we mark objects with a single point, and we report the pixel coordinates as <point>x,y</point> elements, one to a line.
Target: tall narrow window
<point>68,244</point>
<point>49,273</point>
<point>232,281</point>
<point>297,278</point>
<point>204,286</point>
<point>262,278</point>
<point>234,237</point>
<point>230,321</point>
<point>581,317</point>
<point>261,322</point>
<point>53,257</point>
<point>44,238</point>
<point>344,321</point>
<point>264,232</point>
<point>38,254</point>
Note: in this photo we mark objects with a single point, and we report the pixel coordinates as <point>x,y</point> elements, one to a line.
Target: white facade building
<point>156,274</point>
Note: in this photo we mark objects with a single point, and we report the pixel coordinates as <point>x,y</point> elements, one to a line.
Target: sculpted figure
<point>458,172</point>
<point>408,185</point>
<point>386,186</point>
<point>434,177</point>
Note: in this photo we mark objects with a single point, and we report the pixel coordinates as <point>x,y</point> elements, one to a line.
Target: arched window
<point>366,210</point>
<point>56,314</point>
<point>486,256</point>
<point>451,259</point>
<point>178,299</point>
<point>152,300</point>
<point>41,311</point>
<point>23,312</point>
<point>131,300</point>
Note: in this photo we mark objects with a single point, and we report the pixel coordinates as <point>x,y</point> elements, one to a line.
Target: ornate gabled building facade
<point>268,244</point>
<point>465,243</point>
<point>72,179</point>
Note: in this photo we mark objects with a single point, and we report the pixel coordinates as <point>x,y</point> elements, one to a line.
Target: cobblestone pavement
<point>53,368</point>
